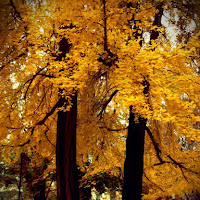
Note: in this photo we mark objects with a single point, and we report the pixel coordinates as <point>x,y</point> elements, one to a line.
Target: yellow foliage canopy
<point>103,57</point>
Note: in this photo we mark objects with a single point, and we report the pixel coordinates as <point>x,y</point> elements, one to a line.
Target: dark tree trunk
<point>85,193</point>
<point>20,176</point>
<point>39,190</point>
<point>133,166</point>
<point>66,170</point>
<point>67,180</point>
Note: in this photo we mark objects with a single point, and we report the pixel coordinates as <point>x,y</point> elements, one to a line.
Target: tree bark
<point>133,166</point>
<point>67,180</point>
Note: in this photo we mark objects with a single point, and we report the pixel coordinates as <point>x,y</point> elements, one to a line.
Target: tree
<point>144,98</point>
<point>141,96</point>
<point>133,166</point>
<point>42,68</point>
<point>33,91</point>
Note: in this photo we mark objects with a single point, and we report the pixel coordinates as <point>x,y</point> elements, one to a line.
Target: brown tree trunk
<point>66,170</point>
<point>67,180</point>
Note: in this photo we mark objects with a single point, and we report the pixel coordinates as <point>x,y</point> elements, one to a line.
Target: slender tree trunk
<point>20,175</point>
<point>133,166</point>
<point>67,180</point>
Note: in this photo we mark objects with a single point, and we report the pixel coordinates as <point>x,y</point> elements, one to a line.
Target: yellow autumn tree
<point>36,64</point>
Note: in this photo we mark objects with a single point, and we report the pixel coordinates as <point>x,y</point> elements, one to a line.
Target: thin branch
<point>27,142</point>
<point>15,9</point>
<point>31,80</point>
<point>110,129</point>
<point>20,145</point>
<point>152,182</point>
<point>180,165</point>
<point>105,26</point>
<point>49,189</point>
<point>47,136</point>
<point>104,97</point>
<point>174,162</point>
<point>164,162</point>
<point>155,144</point>
<point>48,114</point>
<point>42,100</point>
<point>106,103</point>
<point>47,75</point>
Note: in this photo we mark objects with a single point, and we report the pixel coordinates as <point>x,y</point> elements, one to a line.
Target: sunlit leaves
<point>31,76</point>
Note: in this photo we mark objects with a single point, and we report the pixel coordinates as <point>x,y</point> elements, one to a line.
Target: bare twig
<point>47,136</point>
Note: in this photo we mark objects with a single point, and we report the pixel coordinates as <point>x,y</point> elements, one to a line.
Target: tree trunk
<point>133,166</point>
<point>85,193</point>
<point>20,176</point>
<point>39,190</point>
<point>67,180</point>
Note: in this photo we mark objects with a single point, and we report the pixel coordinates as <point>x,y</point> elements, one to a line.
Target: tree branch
<point>155,144</point>
<point>110,129</point>
<point>49,189</point>
<point>152,182</point>
<point>105,26</point>
<point>27,142</point>
<point>41,122</point>
<point>15,9</point>
<point>47,136</point>
<point>174,162</point>
<point>31,80</point>
<point>106,103</point>
<point>20,145</point>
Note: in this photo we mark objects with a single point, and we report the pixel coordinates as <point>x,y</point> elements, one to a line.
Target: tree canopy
<point>51,49</point>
